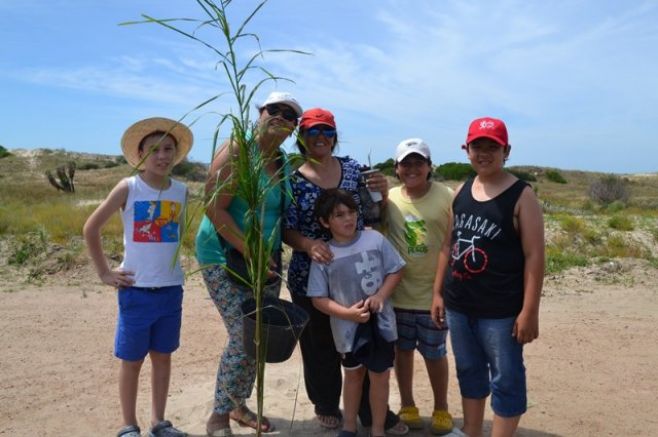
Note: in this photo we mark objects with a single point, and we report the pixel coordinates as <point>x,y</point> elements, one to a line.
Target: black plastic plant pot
<point>283,323</point>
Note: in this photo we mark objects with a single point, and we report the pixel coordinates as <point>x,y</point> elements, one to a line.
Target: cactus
<point>64,180</point>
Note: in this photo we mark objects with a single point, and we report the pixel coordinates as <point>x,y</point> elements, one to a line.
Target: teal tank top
<point>209,250</point>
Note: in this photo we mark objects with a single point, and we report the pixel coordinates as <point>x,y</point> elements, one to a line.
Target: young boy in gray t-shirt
<point>354,290</point>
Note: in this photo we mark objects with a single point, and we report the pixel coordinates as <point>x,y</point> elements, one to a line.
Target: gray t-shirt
<point>357,271</point>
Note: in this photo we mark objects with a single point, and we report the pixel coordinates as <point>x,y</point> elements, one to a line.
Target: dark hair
<point>159,134</point>
<point>330,199</point>
<point>302,147</point>
<point>429,162</point>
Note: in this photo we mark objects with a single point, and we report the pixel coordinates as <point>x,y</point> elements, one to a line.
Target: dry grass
<point>41,228</point>
<point>578,231</point>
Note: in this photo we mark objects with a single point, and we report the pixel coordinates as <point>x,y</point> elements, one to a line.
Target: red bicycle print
<point>475,259</point>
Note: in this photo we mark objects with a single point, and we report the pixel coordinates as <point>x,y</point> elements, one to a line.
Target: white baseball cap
<point>283,98</point>
<point>409,146</point>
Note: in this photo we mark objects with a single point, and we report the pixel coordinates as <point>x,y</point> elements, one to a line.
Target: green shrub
<point>523,175</point>
<point>192,171</point>
<point>615,206</point>
<point>111,164</point>
<point>555,176</point>
<point>4,152</point>
<point>88,166</point>
<point>571,224</point>
<point>28,246</point>
<point>621,223</point>
<point>609,189</point>
<point>618,246</point>
<point>558,260</point>
<point>454,171</point>
<point>592,237</point>
<point>387,167</point>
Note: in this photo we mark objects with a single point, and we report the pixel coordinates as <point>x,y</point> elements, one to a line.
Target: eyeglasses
<point>315,131</point>
<point>285,112</point>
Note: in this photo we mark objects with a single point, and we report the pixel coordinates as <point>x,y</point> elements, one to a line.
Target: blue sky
<point>576,81</point>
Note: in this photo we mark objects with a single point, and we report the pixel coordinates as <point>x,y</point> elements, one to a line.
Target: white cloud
<point>566,72</point>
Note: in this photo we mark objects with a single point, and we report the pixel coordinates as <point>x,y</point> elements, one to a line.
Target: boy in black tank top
<point>488,282</point>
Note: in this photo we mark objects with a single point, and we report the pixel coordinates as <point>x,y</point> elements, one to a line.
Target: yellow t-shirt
<point>417,228</point>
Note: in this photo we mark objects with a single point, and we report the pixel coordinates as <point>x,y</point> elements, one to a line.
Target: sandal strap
<point>161,425</point>
<point>128,430</point>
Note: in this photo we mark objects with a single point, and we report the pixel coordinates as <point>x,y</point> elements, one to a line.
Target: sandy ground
<point>593,371</point>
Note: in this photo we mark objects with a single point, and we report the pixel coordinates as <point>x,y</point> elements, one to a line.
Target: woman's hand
<point>319,252</point>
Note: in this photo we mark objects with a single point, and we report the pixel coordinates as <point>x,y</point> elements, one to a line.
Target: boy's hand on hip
<point>118,278</point>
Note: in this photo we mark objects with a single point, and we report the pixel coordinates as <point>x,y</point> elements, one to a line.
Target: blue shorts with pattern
<point>416,330</point>
<point>149,320</point>
<point>489,359</point>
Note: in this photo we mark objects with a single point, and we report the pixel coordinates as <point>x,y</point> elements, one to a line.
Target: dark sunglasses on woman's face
<point>285,112</point>
<point>315,131</point>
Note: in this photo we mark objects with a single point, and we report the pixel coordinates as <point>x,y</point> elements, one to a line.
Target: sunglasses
<point>315,131</point>
<point>285,112</point>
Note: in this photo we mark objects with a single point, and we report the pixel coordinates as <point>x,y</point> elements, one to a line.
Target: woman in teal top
<point>221,227</point>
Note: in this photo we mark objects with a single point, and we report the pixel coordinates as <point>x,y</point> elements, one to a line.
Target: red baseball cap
<point>316,116</point>
<point>487,127</point>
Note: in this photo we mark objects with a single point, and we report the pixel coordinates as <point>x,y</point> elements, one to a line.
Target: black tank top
<point>485,266</point>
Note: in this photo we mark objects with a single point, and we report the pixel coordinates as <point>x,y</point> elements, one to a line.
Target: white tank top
<point>152,221</point>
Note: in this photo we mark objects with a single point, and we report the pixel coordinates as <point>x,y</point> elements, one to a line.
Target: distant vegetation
<point>609,189</point>
<point>555,176</point>
<point>522,174</point>
<point>192,171</point>
<point>591,219</point>
<point>454,171</point>
<point>4,152</point>
<point>387,167</point>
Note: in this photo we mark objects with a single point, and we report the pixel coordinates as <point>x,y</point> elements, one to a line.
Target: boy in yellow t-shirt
<point>415,221</point>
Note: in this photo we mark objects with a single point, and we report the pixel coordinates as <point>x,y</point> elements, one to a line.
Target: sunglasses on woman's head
<point>315,131</point>
<point>285,112</point>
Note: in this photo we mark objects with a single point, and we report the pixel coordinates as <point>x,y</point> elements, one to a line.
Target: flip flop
<point>329,421</point>
<point>248,419</point>
<point>399,428</point>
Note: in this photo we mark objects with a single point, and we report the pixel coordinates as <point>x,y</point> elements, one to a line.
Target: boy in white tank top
<point>149,281</point>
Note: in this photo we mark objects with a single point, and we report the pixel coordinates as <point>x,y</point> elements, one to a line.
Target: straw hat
<point>138,131</point>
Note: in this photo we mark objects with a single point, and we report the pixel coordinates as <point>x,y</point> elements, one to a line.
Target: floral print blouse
<point>300,217</point>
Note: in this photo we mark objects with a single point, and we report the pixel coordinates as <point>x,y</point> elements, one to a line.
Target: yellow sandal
<point>441,422</point>
<point>411,417</point>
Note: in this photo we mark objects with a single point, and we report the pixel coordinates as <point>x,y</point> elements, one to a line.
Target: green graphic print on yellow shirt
<point>416,228</point>
<point>415,233</point>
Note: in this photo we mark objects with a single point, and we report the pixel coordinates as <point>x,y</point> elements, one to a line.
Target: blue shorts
<point>149,319</point>
<point>489,360</point>
<point>416,330</point>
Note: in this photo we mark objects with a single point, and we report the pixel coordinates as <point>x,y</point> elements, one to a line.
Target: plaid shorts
<point>416,330</point>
